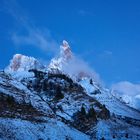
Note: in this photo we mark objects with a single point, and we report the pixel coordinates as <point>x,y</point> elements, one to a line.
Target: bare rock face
<point>65,50</point>
<point>16,62</point>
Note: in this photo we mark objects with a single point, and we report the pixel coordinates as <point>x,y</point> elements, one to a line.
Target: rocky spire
<point>65,50</point>
<point>65,55</point>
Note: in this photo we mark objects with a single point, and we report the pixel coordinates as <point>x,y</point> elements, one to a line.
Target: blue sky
<point>106,34</point>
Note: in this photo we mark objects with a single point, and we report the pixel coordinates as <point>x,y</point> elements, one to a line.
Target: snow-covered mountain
<point>20,64</point>
<point>53,103</point>
<point>63,58</point>
<point>67,62</point>
<point>23,63</point>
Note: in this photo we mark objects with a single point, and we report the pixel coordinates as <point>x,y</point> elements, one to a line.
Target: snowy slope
<point>52,130</point>
<point>109,100</point>
<point>116,106</point>
<point>48,103</point>
<point>60,120</point>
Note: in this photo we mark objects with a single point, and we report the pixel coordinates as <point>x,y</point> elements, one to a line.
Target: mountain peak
<point>67,62</point>
<point>65,43</point>
<point>65,50</point>
<point>64,56</point>
<point>21,62</point>
<point>16,62</point>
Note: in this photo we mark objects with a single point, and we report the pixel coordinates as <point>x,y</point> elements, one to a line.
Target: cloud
<point>127,87</point>
<point>37,39</point>
<point>34,36</point>
<point>129,92</point>
<point>76,66</point>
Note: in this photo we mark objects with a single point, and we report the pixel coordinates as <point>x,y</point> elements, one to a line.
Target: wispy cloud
<point>34,36</point>
<point>37,39</point>
<point>77,65</point>
<point>127,88</point>
<point>129,92</point>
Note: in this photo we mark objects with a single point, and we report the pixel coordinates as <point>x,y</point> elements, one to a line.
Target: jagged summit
<point>21,62</point>
<point>65,62</point>
<point>64,56</point>
<point>65,50</point>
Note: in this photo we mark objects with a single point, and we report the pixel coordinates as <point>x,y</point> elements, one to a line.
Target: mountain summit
<point>23,63</point>
<point>68,63</point>
<point>65,55</point>
<point>65,50</point>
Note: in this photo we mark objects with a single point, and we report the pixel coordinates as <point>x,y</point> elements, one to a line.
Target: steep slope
<point>24,110</point>
<point>104,96</point>
<point>52,130</point>
<point>55,100</point>
<point>51,98</point>
<point>54,104</point>
<point>124,122</point>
